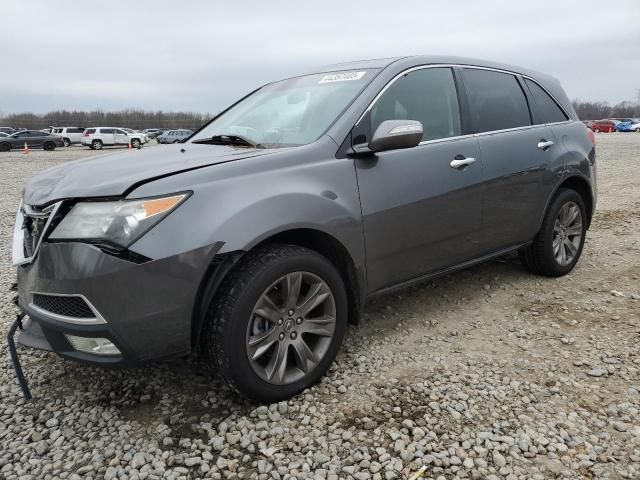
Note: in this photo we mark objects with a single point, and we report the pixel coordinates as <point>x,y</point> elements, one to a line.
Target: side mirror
<point>393,134</point>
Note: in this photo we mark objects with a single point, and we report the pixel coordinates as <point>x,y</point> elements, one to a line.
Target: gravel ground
<point>487,373</point>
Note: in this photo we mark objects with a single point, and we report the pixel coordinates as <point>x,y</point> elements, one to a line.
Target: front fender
<point>243,202</point>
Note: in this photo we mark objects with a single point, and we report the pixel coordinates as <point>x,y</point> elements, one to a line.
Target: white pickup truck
<point>98,137</point>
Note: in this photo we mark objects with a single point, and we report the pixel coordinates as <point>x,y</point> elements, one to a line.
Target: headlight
<point>121,222</point>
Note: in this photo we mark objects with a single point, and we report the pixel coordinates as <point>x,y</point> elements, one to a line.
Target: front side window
<point>427,95</point>
<point>496,100</point>
<point>291,112</point>
<point>545,110</point>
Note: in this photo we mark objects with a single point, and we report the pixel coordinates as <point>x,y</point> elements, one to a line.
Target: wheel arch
<point>321,242</point>
<point>582,186</point>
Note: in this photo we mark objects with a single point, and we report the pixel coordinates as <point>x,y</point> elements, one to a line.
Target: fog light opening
<point>94,346</point>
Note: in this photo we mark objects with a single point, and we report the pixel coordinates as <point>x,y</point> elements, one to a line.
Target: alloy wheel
<point>567,233</point>
<point>291,328</point>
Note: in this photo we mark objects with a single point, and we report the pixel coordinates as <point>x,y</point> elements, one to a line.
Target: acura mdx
<point>260,239</point>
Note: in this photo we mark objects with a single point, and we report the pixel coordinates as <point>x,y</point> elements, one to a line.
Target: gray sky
<point>202,55</point>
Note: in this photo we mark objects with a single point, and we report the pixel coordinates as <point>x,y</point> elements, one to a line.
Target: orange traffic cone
<point>26,149</point>
<point>130,147</point>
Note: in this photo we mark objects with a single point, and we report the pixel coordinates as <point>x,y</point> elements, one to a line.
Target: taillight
<point>591,135</point>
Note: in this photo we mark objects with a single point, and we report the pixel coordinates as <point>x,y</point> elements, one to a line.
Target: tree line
<point>599,110</point>
<point>129,118</point>
<point>141,119</point>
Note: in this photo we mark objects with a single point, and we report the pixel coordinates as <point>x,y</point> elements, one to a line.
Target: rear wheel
<point>597,130</point>
<point>49,146</point>
<point>96,145</point>
<point>5,147</point>
<point>276,324</point>
<point>558,245</point>
<point>67,142</point>
<point>135,143</point>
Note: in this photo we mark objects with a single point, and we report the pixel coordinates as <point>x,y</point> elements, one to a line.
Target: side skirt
<point>446,271</point>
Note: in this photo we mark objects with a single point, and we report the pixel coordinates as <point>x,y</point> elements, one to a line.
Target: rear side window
<point>545,109</point>
<point>427,95</point>
<point>74,130</point>
<point>106,130</point>
<point>496,100</point>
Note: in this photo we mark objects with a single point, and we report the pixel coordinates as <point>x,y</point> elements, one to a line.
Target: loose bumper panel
<point>146,308</point>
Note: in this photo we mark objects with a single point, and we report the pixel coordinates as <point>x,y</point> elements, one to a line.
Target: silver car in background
<point>174,136</point>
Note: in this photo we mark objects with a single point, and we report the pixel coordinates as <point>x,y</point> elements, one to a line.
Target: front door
<point>422,206</point>
<point>121,137</point>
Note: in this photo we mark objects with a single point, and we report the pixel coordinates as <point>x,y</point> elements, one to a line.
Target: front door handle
<point>461,162</point>
<point>544,144</point>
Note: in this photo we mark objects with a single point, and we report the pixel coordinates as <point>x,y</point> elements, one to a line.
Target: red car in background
<point>603,125</point>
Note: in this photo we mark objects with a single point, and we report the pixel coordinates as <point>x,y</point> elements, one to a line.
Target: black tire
<point>135,143</point>
<point>96,145</point>
<point>224,338</point>
<point>539,257</point>
<point>49,146</point>
<point>5,147</point>
<point>67,142</point>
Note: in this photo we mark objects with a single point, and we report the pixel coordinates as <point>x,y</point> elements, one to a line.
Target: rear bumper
<point>145,309</point>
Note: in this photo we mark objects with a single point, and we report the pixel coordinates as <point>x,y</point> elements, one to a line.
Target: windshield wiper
<point>237,140</point>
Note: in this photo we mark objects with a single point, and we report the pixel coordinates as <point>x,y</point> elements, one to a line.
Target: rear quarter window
<point>90,131</point>
<point>545,109</point>
<point>496,101</point>
<point>106,130</point>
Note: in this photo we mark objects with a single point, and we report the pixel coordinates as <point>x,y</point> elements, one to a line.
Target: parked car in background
<point>624,127</point>
<point>636,126</point>
<point>258,240</point>
<point>32,138</point>
<point>98,137</point>
<point>174,136</point>
<point>2,134</point>
<point>603,126</point>
<point>131,131</point>
<point>70,135</point>
<point>7,130</point>
<point>153,132</point>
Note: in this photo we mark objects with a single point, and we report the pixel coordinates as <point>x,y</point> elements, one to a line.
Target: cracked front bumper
<point>145,309</point>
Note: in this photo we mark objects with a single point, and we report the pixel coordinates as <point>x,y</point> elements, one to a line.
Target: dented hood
<point>114,174</point>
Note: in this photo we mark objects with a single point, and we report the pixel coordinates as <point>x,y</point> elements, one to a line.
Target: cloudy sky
<point>202,55</point>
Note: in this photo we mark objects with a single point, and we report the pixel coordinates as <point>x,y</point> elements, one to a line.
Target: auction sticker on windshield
<point>342,77</point>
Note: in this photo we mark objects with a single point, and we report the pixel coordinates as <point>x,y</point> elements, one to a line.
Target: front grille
<point>67,306</point>
<point>35,221</point>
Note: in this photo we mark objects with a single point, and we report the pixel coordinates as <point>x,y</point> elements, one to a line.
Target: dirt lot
<point>488,373</point>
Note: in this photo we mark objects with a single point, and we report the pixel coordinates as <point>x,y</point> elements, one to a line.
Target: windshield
<point>291,112</point>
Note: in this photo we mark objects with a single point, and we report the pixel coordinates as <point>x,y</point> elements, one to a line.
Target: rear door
<point>420,214</point>
<point>107,137</point>
<point>522,158</point>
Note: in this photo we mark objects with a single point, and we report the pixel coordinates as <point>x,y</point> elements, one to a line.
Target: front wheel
<point>277,322</point>
<point>558,245</point>
<point>135,143</point>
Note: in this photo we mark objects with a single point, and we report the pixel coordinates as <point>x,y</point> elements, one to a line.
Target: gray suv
<point>259,239</point>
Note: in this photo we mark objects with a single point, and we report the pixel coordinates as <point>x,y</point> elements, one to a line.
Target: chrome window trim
<point>452,65</point>
<point>17,250</point>
<point>97,320</point>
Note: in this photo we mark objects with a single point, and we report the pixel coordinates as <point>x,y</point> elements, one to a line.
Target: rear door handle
<point>544,144</point>
<point>461,162</point>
